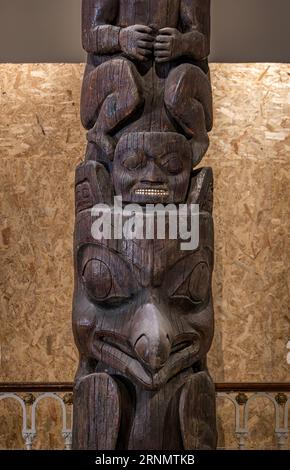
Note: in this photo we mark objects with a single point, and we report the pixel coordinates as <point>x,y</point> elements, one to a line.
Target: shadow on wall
<point>49,31</point>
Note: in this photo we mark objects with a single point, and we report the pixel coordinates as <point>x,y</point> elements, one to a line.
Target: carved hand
<point>169,44</point>
<point>137,42</point>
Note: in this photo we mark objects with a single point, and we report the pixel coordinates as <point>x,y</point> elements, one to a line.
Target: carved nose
<point>153,174</point>
<point>151,337</point>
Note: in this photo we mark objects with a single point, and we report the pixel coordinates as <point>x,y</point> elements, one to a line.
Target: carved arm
<point>99,35</point>
<point>193,38</point>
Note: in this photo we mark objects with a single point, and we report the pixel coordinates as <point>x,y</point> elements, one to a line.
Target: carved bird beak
<point>151,337</point>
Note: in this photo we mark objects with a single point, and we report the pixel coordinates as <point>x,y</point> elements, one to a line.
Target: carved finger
<point>162,54</point>
<point>143,52</point>
<point>142,28</point>
<point>162,47</point>
<point>167,31</point>
<point>145,44</point>
<point>145,37</point>
<point>162,39</point>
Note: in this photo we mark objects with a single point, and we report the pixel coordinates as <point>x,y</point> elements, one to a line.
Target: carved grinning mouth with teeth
<point>151,192</point>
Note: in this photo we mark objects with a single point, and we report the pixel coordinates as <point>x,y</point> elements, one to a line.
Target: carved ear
<point>101,147</point>
<point>92,186</point>
<point>199,148</point>
<point>201,189</point>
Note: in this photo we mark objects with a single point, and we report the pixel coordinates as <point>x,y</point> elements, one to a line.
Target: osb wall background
<point>41,141</point>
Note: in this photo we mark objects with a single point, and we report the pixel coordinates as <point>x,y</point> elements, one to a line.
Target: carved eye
<point>199,283</point>
<point>102,285</point>
<point>173,164</point>
<point>133,162</point>
<point>98,279</point>
<point>196,286</point>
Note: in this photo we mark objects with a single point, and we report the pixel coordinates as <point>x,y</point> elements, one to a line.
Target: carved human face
<point>152,168</point>
<point>143,307</point>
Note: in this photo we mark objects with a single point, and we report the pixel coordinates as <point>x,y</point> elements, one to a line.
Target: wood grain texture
<point>142,307</point>
<point>97,403</point>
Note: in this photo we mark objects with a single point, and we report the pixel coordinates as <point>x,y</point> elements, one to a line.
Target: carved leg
<point>111,93</point>
<point>188,99</point>
<point>197,412</point>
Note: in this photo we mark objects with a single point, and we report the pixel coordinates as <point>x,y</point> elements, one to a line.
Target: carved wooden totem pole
<point>142,308</point>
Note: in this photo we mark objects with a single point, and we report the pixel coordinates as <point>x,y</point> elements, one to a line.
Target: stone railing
<point>240,395</point>
<point>243,395</point>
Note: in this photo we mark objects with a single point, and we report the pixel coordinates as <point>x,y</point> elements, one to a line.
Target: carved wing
<point>97,402</point>
<point>197,413</point>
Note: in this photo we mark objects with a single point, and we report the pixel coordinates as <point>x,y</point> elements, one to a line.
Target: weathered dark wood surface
<point>142,309</point>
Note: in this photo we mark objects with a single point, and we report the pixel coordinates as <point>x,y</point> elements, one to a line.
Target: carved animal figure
<point>147,71</point>
<point>143,323</point>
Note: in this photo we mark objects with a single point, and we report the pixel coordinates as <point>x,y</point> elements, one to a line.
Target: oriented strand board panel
<point>249,154</point>
<point>41,141</point>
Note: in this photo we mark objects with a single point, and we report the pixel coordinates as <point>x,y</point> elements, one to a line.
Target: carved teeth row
<point>151,192</point>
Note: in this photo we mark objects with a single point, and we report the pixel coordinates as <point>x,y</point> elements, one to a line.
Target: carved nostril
<point>142,347</point>
<point>153,355</point>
